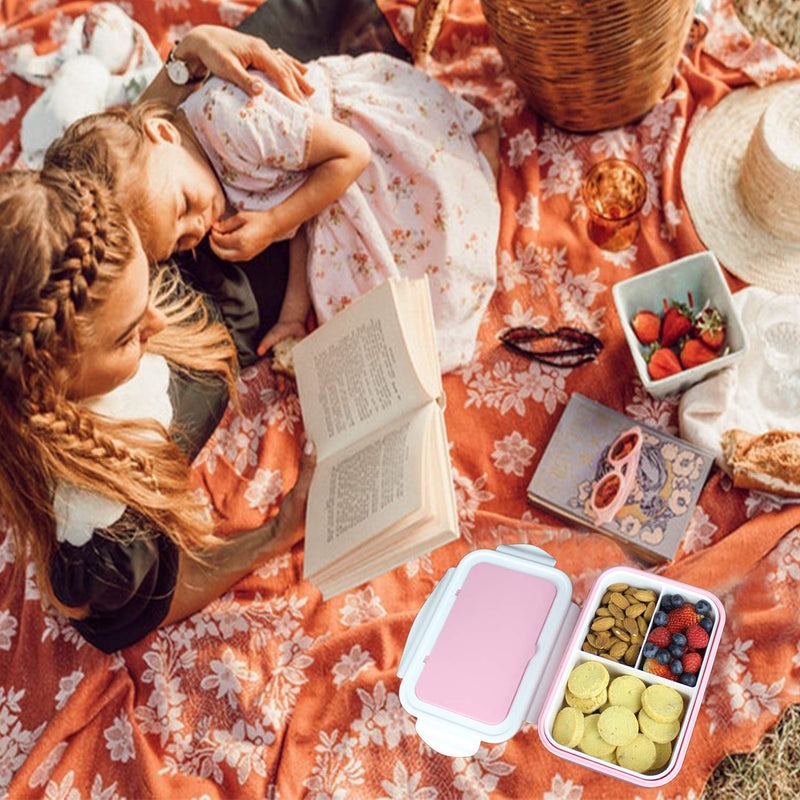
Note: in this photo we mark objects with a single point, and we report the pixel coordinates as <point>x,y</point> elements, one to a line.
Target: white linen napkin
<point>733,398</point>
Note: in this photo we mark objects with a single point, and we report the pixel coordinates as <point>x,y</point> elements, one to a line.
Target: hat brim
<point>710,178</point>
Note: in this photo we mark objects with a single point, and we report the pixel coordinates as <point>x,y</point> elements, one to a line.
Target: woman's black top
<point>126,580</point>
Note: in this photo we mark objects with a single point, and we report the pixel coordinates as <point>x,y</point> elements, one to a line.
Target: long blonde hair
<point>63,243</point>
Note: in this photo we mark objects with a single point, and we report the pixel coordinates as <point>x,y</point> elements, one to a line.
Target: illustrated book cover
<point>371,395</point>
<point>647,509</point>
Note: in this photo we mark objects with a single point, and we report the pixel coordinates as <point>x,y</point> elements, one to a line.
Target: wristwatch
<point>178,70</point>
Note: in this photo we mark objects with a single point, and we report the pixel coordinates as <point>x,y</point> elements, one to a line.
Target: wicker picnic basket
<point>584,65</point>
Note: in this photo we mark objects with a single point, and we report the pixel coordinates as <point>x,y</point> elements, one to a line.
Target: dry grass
<point>771,772</point>
<point>776,20</point>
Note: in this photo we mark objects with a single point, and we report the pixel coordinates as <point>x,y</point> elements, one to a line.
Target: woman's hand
<point>229,54</point>
<point>289,524</point>
<point>199,583</point>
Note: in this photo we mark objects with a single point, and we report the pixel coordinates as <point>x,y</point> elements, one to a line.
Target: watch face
<point>178,71</point>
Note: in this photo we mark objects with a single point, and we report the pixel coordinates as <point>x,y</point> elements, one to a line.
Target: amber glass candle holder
<point>614,191</point>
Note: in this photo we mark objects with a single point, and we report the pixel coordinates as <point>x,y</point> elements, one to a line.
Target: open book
<point>371,395</point>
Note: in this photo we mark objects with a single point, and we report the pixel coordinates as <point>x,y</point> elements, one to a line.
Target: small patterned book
<point>670,475</point>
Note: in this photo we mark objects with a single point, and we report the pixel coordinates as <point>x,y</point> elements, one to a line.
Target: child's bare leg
<point>487,137</point>
<point>296,302</point>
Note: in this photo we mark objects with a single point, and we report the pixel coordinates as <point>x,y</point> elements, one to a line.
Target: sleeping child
<point>381,173</point>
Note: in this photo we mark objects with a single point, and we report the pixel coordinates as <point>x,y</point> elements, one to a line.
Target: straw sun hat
<point>741,183</point>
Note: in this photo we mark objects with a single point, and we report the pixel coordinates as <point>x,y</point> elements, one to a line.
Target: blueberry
<point>688,679</point>
<point>676,667</point>
<point>676,651</point>
<point>702,607</point>
<point>677,600</point>
<point>679,639</point>
<point>663,657</point>
<point>660,619</point>
<point>650,649</point>
<point>666,603</point>
<point>707,624</point>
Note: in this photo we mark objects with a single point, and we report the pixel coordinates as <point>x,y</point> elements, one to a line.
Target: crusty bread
<point>282,356</point>
<point>769,462</point>
<point>428,19</point>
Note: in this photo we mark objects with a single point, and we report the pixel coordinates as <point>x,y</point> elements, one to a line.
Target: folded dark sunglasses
<point>563,347</point>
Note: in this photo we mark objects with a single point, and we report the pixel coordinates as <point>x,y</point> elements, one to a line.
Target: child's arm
<point>337,156</point>
<point>296,301</point>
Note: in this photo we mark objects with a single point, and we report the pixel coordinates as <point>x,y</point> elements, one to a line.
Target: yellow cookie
<point>662,703</point>
<point>658,732</point>
<point>611,758</point>
<point>591,742</point>
<point>588,680</point>
<point>586,705</point>
<point>618,725</point>
<point>568,727</point>
<point>639,754</point>
<point>663,755</point>
<point>626,690</point>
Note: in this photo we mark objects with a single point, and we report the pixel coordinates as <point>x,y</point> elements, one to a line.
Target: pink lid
<point>481,653</point>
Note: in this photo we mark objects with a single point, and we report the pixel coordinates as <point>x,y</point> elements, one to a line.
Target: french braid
<point>62,297</point>
<point>63,243</point>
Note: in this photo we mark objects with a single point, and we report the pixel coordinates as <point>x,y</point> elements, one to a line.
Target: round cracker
<point>592,743</point>
<point>618,725</point>
<point>662,703</point>
<point>638,755</point>
<point>658,732</point>
<point>626,691</point>
<point>568,727</point>
<point>587,705</point>
<point>588,679</point>
<point>663,755</point>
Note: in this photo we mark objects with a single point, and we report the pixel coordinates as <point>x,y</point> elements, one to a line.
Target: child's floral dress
<point>426,204</point>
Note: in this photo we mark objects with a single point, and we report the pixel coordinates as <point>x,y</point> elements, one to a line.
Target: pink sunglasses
<point>612,490</point>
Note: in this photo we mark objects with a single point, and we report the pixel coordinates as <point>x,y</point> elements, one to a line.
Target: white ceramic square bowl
<point>699,274</point>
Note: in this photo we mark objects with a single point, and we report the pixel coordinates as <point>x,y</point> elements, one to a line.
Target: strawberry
<point>692,662</point>
<point>646,326</point>
<point>662,363</point>
<point>696,637</point>
<point>676,324</point>
<point>694,353</point>
<point>709,327</point>
<point>679,619</point>
<point>654,668</point>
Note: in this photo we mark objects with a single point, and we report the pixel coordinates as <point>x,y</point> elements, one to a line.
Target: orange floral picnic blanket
<point>269,692</point>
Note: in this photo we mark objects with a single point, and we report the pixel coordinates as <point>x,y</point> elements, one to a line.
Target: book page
<point>434,524</point>
<point>363,490</point>
<point>355,373</point>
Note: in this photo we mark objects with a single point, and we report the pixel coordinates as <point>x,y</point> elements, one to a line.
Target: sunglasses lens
<point>623,446</point>
<point>606,490</point>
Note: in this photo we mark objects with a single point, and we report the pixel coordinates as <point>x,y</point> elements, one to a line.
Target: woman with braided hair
<point>99,496</point>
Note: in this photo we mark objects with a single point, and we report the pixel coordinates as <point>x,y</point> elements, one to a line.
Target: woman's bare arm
<point>229,54</point>
<point>198,584</point>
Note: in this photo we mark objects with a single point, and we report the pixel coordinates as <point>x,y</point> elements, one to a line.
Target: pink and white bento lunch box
<point>496,641</point>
